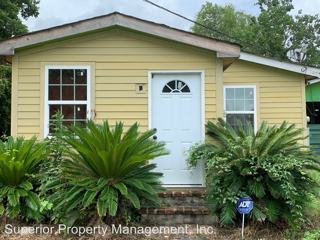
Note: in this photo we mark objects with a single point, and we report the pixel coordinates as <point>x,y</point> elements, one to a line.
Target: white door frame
<point>202,103</point>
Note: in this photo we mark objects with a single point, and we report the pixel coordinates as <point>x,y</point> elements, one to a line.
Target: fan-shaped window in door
<point>176,86</point>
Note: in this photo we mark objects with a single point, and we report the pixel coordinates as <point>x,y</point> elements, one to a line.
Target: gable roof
<point>309,72</point>
<point>8,47</point>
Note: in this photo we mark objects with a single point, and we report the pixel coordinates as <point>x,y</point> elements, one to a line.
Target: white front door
<point>176,114</point>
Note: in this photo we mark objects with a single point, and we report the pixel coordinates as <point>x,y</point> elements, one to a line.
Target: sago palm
<point>270,165</point>
<point>104,165</point>
<point>19,159</point>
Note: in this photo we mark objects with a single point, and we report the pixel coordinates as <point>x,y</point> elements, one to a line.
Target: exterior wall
<point>119,60</point>
<point>313,92</point>
<point>280,94</point>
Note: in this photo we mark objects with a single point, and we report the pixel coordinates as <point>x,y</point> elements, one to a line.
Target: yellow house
<point>121,68</point>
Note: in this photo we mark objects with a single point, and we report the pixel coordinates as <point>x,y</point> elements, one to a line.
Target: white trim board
<point>305,70</point>
<point>46,95</point>
<point>202,99</point>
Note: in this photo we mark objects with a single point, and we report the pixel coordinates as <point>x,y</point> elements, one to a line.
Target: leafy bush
<point>50,168</point>
<point>269,165</point>
<point>312,235</point>
<point>19,159</point>
<point>104,168</point>
<point>5,99</point>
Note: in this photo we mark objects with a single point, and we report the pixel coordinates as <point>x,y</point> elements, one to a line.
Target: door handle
<point>155,137</point>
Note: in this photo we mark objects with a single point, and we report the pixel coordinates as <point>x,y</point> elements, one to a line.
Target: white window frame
<point>241,112</point>
<point>74,102</point>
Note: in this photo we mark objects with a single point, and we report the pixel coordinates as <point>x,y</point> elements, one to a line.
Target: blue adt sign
<point>244,205</point>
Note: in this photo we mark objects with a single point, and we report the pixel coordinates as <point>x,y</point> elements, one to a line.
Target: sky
<point>57,12</point>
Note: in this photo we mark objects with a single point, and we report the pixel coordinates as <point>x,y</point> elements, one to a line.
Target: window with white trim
<point>67,91</point>
<point>240,105</point>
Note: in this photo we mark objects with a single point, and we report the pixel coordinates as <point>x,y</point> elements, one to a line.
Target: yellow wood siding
<point>119,60</point>
<point>280,94</point>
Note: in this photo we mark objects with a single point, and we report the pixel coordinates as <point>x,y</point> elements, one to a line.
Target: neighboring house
<point>121,68</point>
<point>313,113</point>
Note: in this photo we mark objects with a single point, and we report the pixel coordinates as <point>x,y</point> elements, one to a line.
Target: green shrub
<point>312,235</point>
<point>19,159</point>
<point>104,168</point>
<point>5,99</point>
<point>269,165</point>
<point>50,168</point>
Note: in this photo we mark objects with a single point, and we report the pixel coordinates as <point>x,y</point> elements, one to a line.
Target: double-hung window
<point>67,91</point>
<point>240,105</point>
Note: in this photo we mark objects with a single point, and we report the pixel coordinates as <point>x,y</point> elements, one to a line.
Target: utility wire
<point>236,40</point>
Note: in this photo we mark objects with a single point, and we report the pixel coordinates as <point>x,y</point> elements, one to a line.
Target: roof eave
<point>309,72</point>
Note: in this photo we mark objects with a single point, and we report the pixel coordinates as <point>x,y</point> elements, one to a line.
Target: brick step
<point>179,207</point>
<point>177,215</point>
<point>182,198</point>
<point>176,210</point>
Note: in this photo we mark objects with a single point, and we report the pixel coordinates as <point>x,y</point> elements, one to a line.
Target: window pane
<point>68,111</point>
<point>68,123</point>
<point>53,109</point>
<point>230,105</point>
<point>239,93</point>
<point>230,93</point>
<point>81,93</point>
<point>235,119</point>
<point>249,93</point>
<point>239,105</point>
<point>54,93</point>
<point>81,76</point>
<point>81,111</point>
<point>249,105</point>
<point>54,76</point>
<point>166,89</point>
<point>67,76</point>
<point>172,85</point>
<point>67,93</point>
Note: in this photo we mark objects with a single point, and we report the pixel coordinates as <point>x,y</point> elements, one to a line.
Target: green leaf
<point>26,185</point>
<point>102,206</point>
<point>133,198</point>
<point>2,209</point>
<point>113,202</point>
<point>227,214</point>
<point>13,212</point>
<point>33,201</point>
<point>13,198</point>
<point>122,188</point>
<point>88,198</point>
<point>257,188</point>
<point>272,210</point>
<point>258,214</point>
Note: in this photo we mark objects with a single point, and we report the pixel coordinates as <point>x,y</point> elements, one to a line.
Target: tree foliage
<point>5,99</point>
<point>275,32</point>
<point>11,25</point>
<point>269,165</point>
<point>10,10</point>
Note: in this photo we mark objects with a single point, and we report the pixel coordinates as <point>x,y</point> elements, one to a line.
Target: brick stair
<point>179,207</point>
